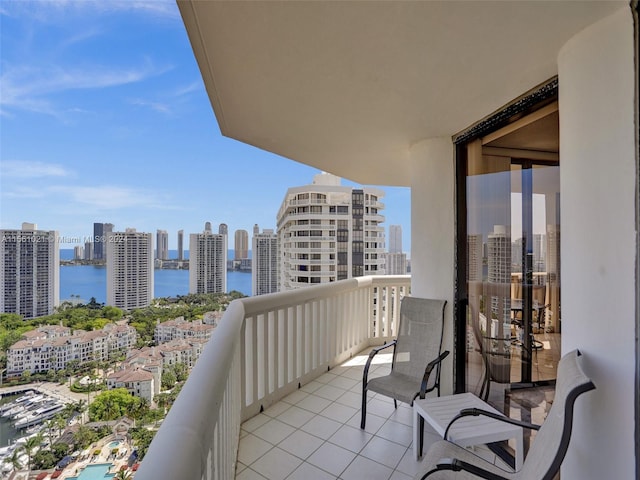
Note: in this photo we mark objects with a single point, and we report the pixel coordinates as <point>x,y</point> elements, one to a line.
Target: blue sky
<point>104,118</point>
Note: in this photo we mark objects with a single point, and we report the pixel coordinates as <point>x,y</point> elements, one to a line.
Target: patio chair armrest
<point>373,353</point>
<point>466,412</point>
<point>456,465</point>
<point>427,372</point>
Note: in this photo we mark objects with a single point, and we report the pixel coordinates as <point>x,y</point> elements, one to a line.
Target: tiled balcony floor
<point>314,433</point>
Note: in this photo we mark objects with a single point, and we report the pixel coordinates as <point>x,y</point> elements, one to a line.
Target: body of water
<point>88,281</point>
<point>7,432</point>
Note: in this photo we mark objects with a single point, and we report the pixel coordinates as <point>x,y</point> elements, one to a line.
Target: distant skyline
<point>104,118</point>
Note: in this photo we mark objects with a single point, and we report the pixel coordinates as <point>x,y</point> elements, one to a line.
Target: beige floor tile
<point>384,451</point>
<point>251,448</point>
<point>301,444</point>
<point>306,471</point>
<point>321,427</point>
<point>276,464</point>
<point>352,439</point>
<point>331,458</point>
<point>274,431</point>
<point>362,468</point>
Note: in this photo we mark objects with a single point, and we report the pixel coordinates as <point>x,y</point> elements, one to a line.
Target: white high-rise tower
<point>29,271</point>
<point>395,239</point>
<point>208,261</point>
<point>328,232</point>
<point>396,261</point>
<point>129,269</point>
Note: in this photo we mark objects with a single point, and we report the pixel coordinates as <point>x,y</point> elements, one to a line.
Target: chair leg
<point>486,393</point>
<point>395,403</point>
<point>421,434</point>
<point>363,411</point>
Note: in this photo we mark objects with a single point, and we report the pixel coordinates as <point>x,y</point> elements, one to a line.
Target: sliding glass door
<point>512,319</point>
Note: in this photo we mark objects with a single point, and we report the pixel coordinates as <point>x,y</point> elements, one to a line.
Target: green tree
<point>168,379</point>
<point>140,410</point>
<point>60,450</point>
<point>14,459</point>
<point>44,459</point>
<point>181,371</point>
<point>162,400</point>
<point>123,475</point>
<point>112,313</point>
<point>142,438</point>
<point>112,404</point>
<point>59,423</point>
<point>30,445</point>
<point>84,437</point>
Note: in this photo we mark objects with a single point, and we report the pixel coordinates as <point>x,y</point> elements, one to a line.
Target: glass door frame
<point>537,98</point>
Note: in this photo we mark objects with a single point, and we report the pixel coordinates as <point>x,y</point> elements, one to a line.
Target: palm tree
<point>60,423</point>
<point>14,459</point>
<point>49,426</point>
<point>140,409</point>
<point>30,445</point>
<point>123,475</point>
<point>80,406</point>
<point>68,411</point>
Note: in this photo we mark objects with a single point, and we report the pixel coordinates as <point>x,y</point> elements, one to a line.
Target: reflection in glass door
<point>513,320</point>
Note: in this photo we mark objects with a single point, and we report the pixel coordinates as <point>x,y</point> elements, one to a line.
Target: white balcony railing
<point>264,348</point>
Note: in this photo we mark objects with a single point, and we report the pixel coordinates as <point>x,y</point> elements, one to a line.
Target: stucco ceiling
<point>348,87</point>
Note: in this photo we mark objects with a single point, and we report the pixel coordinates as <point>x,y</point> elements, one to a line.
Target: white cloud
<point>28,169</point>
<point>110,197</point>
<point>193,87</point>
<point>157,106</point>
<point>24,87</point>
<point>54,10</point>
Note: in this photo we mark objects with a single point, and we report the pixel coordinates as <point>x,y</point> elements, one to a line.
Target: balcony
<point>277,390</point>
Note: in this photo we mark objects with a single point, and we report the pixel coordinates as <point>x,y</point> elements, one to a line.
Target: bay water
<point>81,282</point>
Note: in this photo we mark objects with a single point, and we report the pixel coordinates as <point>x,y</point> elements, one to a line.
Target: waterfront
<point>85,281</point>
<point>7,431</point>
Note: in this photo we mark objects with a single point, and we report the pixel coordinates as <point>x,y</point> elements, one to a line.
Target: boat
<point>39,415</point>
<point>17,401</point>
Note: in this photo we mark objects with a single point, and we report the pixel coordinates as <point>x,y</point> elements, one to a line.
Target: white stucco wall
<point>598,242</point>
<point>433,234</point>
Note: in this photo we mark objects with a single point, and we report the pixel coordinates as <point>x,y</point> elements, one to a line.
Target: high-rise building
<point>223,229</point>
<point>539,252</point>
<point>264,268</point>
<point>78,252</point>
<point>100,232</point>
<point>29,271</point>
<point>162,245</point>
<point>474,258</point>
<point>241,245</point>
<point>129,269</point>
<point>180,245</point>
<point>330,232</point>
<point>395,239</point>
<point>395,263</point>
<point>499,273</point>
<point>208,261</point>
<point>395,260</point>
<point>499,255</point>
<point>88,250</point>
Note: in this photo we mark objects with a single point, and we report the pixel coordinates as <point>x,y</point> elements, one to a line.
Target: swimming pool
<point>114,444</point>
<point>95,472</point>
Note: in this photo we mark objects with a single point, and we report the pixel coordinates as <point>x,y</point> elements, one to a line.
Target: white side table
<point>467,431</point>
